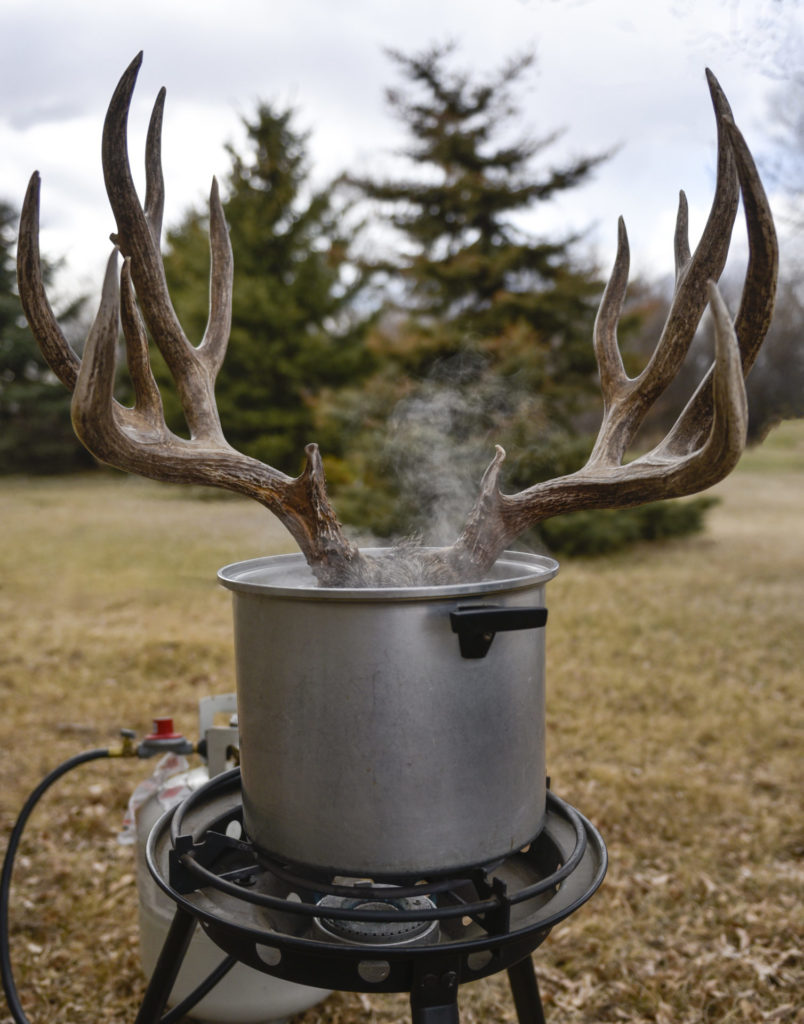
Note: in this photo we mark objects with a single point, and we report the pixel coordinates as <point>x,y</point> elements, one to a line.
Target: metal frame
<point>212,877</point>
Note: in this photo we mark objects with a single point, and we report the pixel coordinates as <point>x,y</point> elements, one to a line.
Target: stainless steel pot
<point>389,732</point>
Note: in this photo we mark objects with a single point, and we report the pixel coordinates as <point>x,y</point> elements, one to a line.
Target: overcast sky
<point>627,73</point>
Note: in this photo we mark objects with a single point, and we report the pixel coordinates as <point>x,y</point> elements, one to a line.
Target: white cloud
<point>612,72</point>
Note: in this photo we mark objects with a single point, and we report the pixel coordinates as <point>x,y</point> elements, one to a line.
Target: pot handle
<point>477,625</point>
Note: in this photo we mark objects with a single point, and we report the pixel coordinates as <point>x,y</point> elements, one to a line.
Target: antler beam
<point>706,441</point>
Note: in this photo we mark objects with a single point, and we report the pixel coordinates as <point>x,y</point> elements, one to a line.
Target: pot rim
<point>290,576</point>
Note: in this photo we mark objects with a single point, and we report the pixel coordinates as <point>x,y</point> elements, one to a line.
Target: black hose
<point>9,986</point>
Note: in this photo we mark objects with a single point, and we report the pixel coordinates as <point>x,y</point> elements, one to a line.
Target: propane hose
<point>9,987</point>
<point>163,740</point>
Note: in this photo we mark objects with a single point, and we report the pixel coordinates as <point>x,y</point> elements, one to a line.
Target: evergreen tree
<point>292,326</point>
<point>467,261</point>
<point>36,435</point>
<point>499,316</point>
<point>489,337</point>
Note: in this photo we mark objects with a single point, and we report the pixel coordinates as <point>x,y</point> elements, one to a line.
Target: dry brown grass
<point>675,723</point>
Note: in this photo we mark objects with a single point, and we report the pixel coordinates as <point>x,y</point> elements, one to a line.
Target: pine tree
<point>293,330</point>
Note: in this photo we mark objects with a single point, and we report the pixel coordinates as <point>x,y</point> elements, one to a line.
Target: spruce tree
<point>495,312</point>
<point>293,330</point>
<point>467,261</point>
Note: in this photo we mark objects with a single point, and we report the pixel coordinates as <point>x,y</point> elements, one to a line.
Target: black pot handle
<point>477,625</point>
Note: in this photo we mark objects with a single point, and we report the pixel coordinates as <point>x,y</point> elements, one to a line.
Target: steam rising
<point>440,440</point>
<point>439,446</point>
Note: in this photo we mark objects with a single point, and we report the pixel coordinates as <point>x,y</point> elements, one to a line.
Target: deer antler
<point>705,443</point>
<point>702,447</point>
<point>137,439</point>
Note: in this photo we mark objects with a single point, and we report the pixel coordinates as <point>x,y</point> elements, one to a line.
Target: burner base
<point>426,939</point>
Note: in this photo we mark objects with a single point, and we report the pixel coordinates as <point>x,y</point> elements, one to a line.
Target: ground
<point>675,718</point>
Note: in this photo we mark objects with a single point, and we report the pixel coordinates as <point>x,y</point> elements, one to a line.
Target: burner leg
<point>525,989</point>
<point>434,997</point>
<point>167,967</point>
<point>445,1013</point>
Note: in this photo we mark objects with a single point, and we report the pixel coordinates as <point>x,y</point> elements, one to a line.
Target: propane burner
<point>425,935</point>
<point>396,928</point>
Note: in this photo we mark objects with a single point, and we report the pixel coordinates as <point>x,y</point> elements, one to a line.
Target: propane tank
<point>243,996</point>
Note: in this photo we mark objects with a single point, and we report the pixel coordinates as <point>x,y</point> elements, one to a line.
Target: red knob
<point>163,730</point>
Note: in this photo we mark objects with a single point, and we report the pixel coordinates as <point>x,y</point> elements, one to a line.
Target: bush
<point>601,532</point>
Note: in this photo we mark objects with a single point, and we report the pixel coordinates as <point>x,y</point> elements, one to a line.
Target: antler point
<point>488,485</point>
<point>32,192</point>
<point>133,69</point>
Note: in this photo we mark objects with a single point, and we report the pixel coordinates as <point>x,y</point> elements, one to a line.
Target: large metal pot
<point>381,733</point>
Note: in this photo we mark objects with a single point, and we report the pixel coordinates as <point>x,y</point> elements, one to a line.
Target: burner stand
<point>425,936</point>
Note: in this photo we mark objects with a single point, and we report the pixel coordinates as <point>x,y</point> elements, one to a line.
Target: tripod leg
<point>167,967</point>
<point>525,990</point>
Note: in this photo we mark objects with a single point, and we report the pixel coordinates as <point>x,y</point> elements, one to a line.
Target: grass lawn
<point>675,715</point>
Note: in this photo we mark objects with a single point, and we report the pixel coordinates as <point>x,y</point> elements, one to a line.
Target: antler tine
<point>756,304</point>
<point>759,290</point>
<point>613,379</point>
<point>682,236</point>
<point>147,400</point>
<point>193,369</point>
<point>709,258</point>
<point>216,336</point>
<point>154,179</point>
<point>670,475</point>
<point>721,451</point>
<point>134,237</point>
<point>124,437</point>
<point>57,351</point>
<point>92,406</point>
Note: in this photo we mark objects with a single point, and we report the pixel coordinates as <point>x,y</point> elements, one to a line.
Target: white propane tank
<point>243,996</point>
